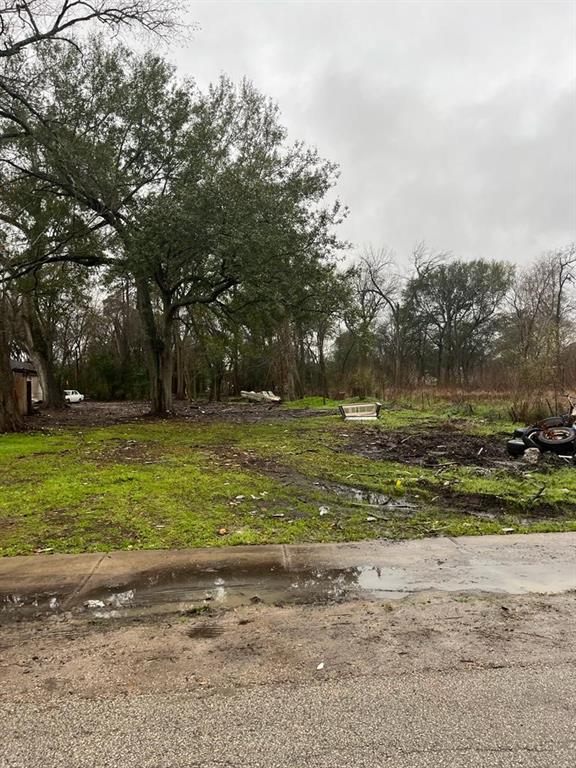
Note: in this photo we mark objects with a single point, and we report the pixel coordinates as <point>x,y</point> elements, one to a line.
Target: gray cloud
<point>453,122</point>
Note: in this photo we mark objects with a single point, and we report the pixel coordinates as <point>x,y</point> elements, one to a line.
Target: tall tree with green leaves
<point>460,301</point>
<point>200,193</point>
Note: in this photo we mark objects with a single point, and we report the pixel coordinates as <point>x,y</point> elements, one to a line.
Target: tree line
<point>159,240</point>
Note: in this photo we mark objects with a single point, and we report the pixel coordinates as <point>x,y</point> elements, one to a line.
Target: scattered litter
<point>255,599</point>
<point>222,531</point>
<point>508,530</point>
<point>94,604</point>
<point>324,511</point>
<point>43,551</point>
<point>121,599</point>
<point>240,497</point>
<point>320,666</point>
<point>278,514</point>
<point>370,519</point>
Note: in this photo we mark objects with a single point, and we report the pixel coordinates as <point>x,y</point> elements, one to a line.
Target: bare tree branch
<point>25,23</point>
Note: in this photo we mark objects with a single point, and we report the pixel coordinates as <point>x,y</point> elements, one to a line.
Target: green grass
<point>175,484</point>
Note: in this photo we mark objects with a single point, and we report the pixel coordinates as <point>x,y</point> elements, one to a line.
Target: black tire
<point>515,447</point>
<point>557,439</point>
<point>528,437</point>
<point>553,421</point>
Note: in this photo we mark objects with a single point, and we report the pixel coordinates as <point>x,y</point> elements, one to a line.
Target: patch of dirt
<point>490,507</point>
<point>433,446</point>
<point>44,660</point>
<point>93,414</point>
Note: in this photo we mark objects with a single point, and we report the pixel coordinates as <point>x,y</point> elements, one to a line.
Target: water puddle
<point>390,573</point>
<point>193,592</point>
<point>370,498</point>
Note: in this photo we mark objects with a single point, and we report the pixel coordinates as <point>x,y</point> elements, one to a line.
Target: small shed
<point>26,384</point>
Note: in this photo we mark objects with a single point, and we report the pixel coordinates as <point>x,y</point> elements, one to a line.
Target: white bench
<point>360,411</point>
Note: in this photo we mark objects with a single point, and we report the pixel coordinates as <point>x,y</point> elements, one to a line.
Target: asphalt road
<point>491,718</point>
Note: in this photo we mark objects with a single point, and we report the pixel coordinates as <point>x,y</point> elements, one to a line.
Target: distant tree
<point>538,324</point>
<point>460,301</point>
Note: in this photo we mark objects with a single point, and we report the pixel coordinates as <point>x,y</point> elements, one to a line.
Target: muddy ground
<point>97,414</point>
<point>432,445</point>
<point>62,656</point>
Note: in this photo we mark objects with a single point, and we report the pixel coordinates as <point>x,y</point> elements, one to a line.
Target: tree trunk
<point>53,396</point>
<point>179,360</point>
<point>10,418</point>
<point>39,349</point>
<point>159,350</point>
<point>322,365</point>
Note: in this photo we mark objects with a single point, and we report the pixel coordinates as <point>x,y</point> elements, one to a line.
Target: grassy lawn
<point>176,483</point>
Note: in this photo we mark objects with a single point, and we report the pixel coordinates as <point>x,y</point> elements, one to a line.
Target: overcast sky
<point>453,122</point>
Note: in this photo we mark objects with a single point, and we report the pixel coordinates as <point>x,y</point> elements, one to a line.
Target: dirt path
<point>60,656</point>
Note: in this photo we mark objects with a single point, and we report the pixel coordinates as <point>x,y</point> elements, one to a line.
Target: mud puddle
<point>194,593</point>
<point>368,498</point>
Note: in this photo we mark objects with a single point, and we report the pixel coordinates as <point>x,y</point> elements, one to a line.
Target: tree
<point>538,322</point>
<point>40,299</point>
<point>201,191</point>
<point>25,24</point>
<point>460,301</point>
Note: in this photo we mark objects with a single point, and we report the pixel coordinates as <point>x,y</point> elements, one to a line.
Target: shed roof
<point>23,366</point>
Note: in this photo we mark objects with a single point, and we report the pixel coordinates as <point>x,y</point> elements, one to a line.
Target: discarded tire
<point>528,438</point>
<point>516,447</point>
<point>554,421</point>
<point>558,439</point>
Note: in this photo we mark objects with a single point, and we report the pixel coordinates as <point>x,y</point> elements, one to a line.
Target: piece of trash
<point>121,599</point>
<point>255,599</point>
<point>93,604</point>
<point>278,514</point>
<point>370,519</point>
<point>398,483</point>
<point>222,531</point>
<point>508,530</point>
<point>43,551</point>
<point>531,456</point>
<point>324,511</point>
<point>320,666</point>
<point>480,452</point>
<point>240,497</point>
